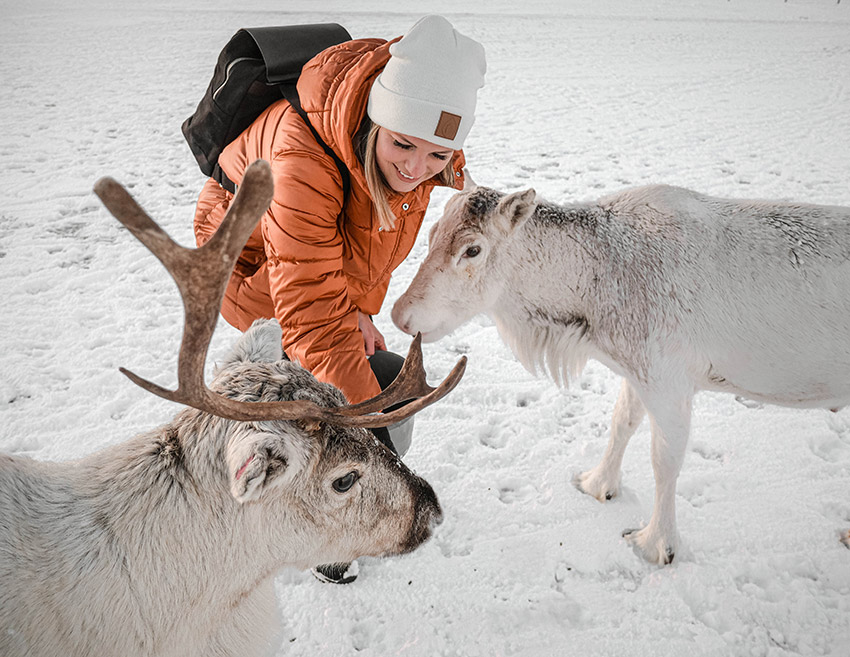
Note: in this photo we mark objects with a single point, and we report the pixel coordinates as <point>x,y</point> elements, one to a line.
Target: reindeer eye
<point>344,484</point>
<point>472,251</point>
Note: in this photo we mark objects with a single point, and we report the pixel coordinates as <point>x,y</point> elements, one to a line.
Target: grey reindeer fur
<point>673,290</point>
<point>167,544</point>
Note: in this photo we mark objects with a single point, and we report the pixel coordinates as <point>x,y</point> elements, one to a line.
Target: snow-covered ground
<point>734,98</point>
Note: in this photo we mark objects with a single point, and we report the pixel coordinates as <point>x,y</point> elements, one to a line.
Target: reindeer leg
<point>670,419</point>
<point>603,481</point>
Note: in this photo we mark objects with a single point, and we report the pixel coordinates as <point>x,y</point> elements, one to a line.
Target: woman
<point>396,114</point>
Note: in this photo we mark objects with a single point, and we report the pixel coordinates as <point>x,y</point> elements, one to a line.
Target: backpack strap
<point>291,94</point>
<point>221,178</point>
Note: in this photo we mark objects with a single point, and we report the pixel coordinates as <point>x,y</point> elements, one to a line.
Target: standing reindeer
<point>167,544</point>
<point>673,290</point>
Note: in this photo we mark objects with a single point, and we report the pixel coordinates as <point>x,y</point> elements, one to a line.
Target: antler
<point>202,274</point>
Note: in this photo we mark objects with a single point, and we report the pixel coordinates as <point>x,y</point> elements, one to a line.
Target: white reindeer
<point>167,545</point>
<point>673,290</point>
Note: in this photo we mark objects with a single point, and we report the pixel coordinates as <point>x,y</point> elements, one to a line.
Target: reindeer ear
<point>259,344</point>
<point>247,478</point>
<point>468,183</point>
<point>256,461</point>
<point>517,207</point>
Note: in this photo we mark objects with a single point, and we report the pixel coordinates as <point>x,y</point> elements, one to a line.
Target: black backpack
<point>258,66</point>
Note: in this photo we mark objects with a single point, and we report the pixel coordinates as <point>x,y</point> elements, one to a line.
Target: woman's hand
<point>372,338</point>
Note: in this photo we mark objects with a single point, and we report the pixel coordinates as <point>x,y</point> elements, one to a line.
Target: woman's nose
<point>415,165</point>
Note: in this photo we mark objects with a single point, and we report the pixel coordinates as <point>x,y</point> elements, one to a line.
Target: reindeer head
<point>320,492</point>
<point>461,277</point>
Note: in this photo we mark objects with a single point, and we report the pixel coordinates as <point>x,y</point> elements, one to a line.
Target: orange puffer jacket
<point>310,263</point>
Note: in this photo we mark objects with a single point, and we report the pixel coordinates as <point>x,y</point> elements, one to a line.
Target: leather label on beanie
<point>447,126</point>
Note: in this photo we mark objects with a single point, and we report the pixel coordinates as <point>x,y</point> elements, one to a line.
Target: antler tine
<point>408,384</point>
<point>340,416</point>
<point>202,275</point>
<point>408,388</point>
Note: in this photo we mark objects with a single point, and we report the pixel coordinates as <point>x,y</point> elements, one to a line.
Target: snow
<point>583,97</point>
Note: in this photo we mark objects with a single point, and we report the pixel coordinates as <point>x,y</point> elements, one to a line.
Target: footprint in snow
<point>516,490</point>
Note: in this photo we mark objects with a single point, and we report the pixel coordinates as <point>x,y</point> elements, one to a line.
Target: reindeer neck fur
<point>153,516</point>
<point>187,470</point>
<point>555,326</point>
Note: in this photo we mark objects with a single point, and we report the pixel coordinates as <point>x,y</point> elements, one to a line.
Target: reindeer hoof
<point>845,538</point>
<point>595,486</point>
<point>660,553</point>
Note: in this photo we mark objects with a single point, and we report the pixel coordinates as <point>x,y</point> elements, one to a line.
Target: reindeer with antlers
<point>167,544</point>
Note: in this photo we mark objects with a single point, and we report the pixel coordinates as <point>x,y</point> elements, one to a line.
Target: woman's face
<point>407,161</point>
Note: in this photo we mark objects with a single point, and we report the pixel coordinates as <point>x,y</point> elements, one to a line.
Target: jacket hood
<point>334,89</point>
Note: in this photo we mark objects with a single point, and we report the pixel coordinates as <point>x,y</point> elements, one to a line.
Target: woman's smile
<point>407,161</point>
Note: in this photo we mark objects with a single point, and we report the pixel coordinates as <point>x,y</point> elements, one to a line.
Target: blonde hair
<point>379,190</point>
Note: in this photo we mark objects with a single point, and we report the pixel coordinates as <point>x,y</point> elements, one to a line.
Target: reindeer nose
<point>428,507</point>
<point>401,318</point>
<point>437,519</point>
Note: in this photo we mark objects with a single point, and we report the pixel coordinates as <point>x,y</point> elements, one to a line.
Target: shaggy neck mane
<point>555,346</point>
<point>548,338</point>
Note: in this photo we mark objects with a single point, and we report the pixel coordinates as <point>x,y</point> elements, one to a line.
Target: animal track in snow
<point>491,436</point>
<point>708,453</point>
<point>516,490</point>
<point>829,448</point>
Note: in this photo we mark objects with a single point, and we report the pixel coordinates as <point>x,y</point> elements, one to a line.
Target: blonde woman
<point>396,114</point>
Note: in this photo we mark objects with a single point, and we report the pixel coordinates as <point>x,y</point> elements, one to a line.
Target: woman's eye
<point>344,484</point>
<point>472,251</point>
<point>405,147</point>
<point>441,156</point>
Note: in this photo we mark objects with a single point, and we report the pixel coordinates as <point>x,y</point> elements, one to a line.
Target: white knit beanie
<point>429,86</point>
